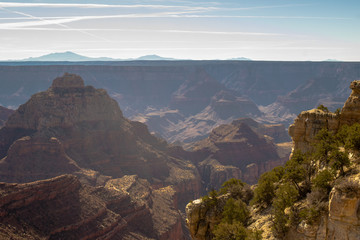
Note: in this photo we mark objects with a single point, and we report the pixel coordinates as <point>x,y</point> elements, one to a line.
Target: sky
<point>286,30</point>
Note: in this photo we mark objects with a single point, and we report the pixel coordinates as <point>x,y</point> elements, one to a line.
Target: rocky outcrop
<point>350,113</point>
<point>202,219</point>
<point>214,174</point>
<point>4,115</point>
<point>146,87</point>
<point>30,159</point>
<point>237,145</point>
<point>77,129</point>
<point>64,208</point>
<point>222,108</point>
<point>342,220</point>
<point>308,123</point>
<point>94,133</point>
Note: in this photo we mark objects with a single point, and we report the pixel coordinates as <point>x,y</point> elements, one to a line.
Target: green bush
<point>323,108</point>
<point>285,196</point>
<point>323,180</point>
<point>310,215</point>
<point>237,189</point>
<point>339,160</point>
<point>235,231</point>
<point>265,190</point>
<point>235,211</point>
<point>325,143</point>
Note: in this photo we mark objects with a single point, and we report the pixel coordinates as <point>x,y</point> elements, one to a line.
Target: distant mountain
<point>66,56</point>
<point>74,57</point>
<point>240,59</point>
<point>153,58</point>
<point>332,60</point>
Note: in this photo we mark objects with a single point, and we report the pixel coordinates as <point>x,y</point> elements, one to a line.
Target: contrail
<point>52,23</point>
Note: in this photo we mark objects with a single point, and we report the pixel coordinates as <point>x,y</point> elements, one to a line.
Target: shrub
<point>339,160</point>
<point>235,211</point>
<point>323,108</point>
<point>353,137</point>
<point>210,201</point>
<point>326,142</point>
<point>265,190</point>
<point>323,180</point>
<point>285,197</point>
<point>310,215</point>
<point>237,189</point>
<point>235,231</point>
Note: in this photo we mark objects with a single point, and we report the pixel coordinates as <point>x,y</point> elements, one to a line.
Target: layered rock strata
<point>241,151</point>
<point>309,123</point>
<point>64,208</point>
<point>92,131</point>
<point>342,220</point>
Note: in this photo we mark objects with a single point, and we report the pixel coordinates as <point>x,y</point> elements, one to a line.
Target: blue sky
<point>261,30</point>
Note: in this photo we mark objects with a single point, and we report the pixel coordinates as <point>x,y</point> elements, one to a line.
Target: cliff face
<point>4,115</point>
<point>64,208</point>
<point>242,152</point>
<point>31,159</point>
<point>76,129</point>
<point>146,88</point>
<point>342,220</point>
<point>93,132</point>
<point>308,123</point>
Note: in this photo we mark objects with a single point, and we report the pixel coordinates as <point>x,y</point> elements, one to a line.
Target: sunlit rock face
<point>309,123</point>
<point>350,113</point>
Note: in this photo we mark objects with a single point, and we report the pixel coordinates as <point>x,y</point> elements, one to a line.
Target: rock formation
<point>4,115</point>
<point>308,123</point>
<point>342,220</point>
<point>35,159</point>
<point>201,219</point>
<point>146,88</point>
<point>89,125</point>
<point>333,216</point>
<point>237,145</point>
<point>76,129</point>
<point>64,208</point>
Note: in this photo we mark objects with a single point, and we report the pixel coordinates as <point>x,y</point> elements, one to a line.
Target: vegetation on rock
<point>298,191</point>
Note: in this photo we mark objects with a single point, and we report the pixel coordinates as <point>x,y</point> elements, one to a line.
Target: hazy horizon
<point>258,30</point>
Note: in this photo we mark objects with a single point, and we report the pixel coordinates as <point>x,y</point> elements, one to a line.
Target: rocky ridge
<point>308,123</point>
<point>79,130</point>
<point>339,218</point>
<point>93,132</point>
<point>241,148</point>
<point>64,208</point>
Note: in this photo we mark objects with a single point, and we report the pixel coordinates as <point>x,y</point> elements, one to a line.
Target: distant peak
<point>68,80</point>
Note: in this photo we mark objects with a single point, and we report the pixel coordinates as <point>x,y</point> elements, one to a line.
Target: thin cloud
<point>14,27</point>
<point>87,5</point>
<point>43,21</point>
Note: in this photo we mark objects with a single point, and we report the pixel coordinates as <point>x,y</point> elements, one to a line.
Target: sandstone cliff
<point>308,123</point>
<point>327,204</point>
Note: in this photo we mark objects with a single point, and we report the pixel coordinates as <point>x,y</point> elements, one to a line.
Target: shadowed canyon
<point>117,150</point>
